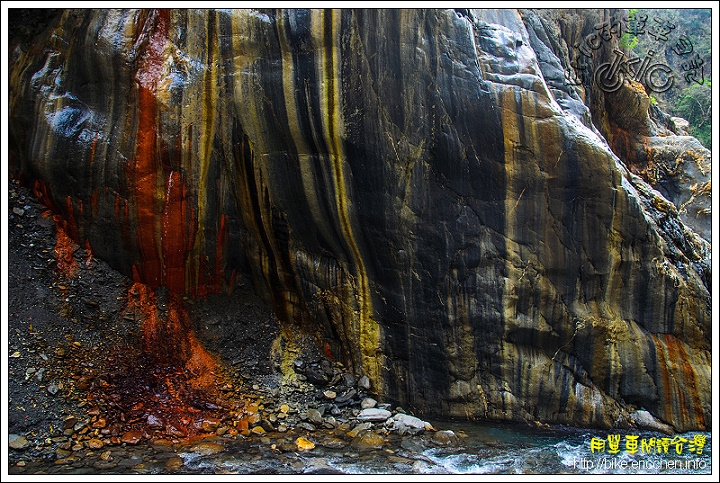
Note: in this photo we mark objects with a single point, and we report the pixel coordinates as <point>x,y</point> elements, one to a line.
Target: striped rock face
<point>401,184</point>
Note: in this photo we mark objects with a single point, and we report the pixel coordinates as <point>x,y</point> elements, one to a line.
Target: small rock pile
<point>69,347</point>
<point>326,397</point>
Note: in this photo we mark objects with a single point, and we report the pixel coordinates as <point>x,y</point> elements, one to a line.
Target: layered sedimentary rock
<point>571,46</point>
<point>407,186</point>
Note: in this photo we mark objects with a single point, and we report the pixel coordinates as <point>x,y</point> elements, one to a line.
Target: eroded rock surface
<point>416,189</point>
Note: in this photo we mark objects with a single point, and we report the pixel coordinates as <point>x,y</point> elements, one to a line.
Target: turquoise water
<point>487,448</point>
<point>481,448</point>
<point>520,449</point>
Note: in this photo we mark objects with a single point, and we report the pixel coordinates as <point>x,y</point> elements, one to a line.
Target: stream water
<point>482,448</point>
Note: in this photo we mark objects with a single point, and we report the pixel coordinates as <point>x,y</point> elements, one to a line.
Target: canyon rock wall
<point>416,189</point>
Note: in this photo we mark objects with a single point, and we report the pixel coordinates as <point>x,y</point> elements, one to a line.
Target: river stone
<point>346,396</point>
<point>349,379</point>
<point>131,437</point>
<point>68,460</point>
<point>209,425</point>
<point>171,430</point>
<point>445,438</point>
<point>368,402</point>
<point>207,448</point>
<point>153,421</point>
<point>333,443</point>
<point>399,427</point>
<point>410,421</point>
<point>414,445</point>
<point>374,415</point>
<point>99,424</point>
<point>132,460</point>
<point>645,420</point>
<point>18,442</point>
<point>69,422</point>
<point>314,416</point>
<point>357,429</point>
<point>95,443</point>
<point>364,383</point>
<point>174,463</point>
<point>369,438</point>
<point>305,426</point>
<point>304,444</point>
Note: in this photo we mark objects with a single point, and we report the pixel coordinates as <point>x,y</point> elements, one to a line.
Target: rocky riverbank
<point>85,396</point>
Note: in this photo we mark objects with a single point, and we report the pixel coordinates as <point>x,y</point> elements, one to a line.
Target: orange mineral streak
<point>70,224</point>
<point>168,339</point>
<point>142,171</point>
<point>178,233</point>
<point>67,266</point>
<point>692,409</point>
<point>174,378</point>
<point>622,145</point>
<point>677,382</point>
<point>165,217</point>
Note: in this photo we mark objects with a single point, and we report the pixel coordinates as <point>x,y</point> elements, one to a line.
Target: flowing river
<point>481,448</point>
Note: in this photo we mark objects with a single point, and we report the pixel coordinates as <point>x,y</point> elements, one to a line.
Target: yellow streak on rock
<point>206,131</point>
<point>303,151</point>
<point>331,106</point>
<point>509,121</point>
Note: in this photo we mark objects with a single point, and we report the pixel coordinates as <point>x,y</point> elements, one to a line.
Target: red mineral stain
<point>67,266</point>
<point>165,384</point>
<point>174,234</point>
<point>665,387</point>
<point>70,223</point>
<point>41,191</point>
<point>94,202</point>
<point>168,388</point>
<point>328,351</point>
<point>142,171</point>
<point>685,379</point>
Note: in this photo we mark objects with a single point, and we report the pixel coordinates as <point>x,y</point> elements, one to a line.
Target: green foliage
<point>691,101</point>
<point>695,105</point>
<point>629,41</point>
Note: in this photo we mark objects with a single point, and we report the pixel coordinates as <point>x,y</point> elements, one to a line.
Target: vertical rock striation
<point>411,187</point>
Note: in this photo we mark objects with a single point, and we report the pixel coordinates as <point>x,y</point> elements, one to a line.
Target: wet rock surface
<point>414,190</point>
<point>71,340</point>
<point>275,426</point>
